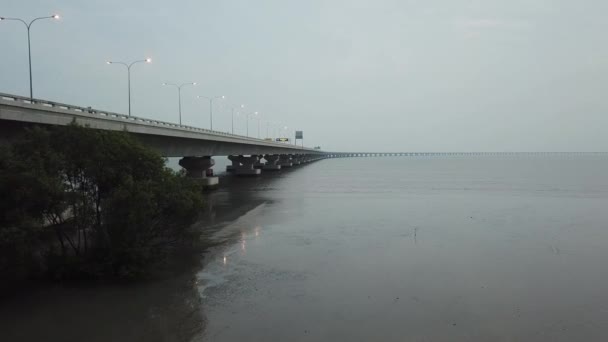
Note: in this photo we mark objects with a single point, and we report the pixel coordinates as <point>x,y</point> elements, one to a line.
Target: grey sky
<point>407,75</point>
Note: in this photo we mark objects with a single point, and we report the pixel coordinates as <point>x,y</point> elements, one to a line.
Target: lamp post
<point>211,107</point>
<point>259,119</point>
<point>29,46</point>
<point>267,128</point>
<point>128,66</point>
<point>248,116</point>
<point>241,106</point>
<point>179,95</point>
<point>280,129</point>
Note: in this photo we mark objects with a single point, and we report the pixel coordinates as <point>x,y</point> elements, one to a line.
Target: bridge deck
<point>171,139</point>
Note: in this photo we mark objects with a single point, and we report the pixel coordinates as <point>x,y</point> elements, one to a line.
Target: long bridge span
<point>195,146</point>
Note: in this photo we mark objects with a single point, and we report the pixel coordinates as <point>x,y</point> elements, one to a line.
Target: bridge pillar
<point>285,160</point>
<point>245,165</point>
<point>196,167</point>
<point>296,159</point>
<point>231,168</point>
<point>271,162</point>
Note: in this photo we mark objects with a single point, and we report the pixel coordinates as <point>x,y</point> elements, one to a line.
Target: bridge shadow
<point>238,195</point>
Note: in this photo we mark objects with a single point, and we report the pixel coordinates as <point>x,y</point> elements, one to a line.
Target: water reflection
<point>163,310</point>
<point>244,247</point>
<point>340,258</point>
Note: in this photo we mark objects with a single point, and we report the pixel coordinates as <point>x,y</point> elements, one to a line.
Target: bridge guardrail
<point>90,110</point>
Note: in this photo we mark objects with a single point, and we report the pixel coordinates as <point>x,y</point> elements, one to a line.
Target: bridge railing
<point>89,110</point>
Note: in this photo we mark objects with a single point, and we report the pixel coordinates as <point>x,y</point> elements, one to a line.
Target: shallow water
<point>386,249</point>
<point>416,249</point>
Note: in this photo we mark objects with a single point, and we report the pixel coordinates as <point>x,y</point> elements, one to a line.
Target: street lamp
<point>241,106</point>
<point>179,95</point>
<point>128,66</point>
<point>211,107</point>
<point>259,119</point>
<point>29,47</point>
<point>248,116</point>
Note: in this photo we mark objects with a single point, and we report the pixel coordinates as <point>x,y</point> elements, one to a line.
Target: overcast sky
<point>389,75</point>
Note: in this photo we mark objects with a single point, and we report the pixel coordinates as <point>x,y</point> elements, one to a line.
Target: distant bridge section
<point>456,154</point>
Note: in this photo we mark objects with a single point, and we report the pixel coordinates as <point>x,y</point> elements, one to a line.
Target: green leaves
<point>99,200</point>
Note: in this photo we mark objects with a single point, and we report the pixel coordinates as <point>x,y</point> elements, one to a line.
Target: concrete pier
<point>231,168</point>
<point>244,166</point>
<point>285,161</point>
<point>196,167</point>
<point>297,159</point>
<point>271,162</point>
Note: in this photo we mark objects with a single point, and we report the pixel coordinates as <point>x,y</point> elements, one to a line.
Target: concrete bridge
<point>195,146</point>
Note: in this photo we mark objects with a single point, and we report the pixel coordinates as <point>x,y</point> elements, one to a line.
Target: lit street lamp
<point>211,107</point>
<point>128,66</point>
<point>241,106</point>
<point>179,95</point>
<point>29,48</point>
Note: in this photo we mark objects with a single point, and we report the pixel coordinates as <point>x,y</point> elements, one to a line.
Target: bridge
<point>194,145</point>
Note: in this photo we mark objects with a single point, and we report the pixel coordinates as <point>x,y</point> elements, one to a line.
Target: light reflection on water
<point>160,310</point>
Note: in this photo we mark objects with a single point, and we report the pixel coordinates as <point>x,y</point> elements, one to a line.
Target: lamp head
<point>148,60</point>
<point>56,16</point>
<point>194,83</point>
<point>108,62</point>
